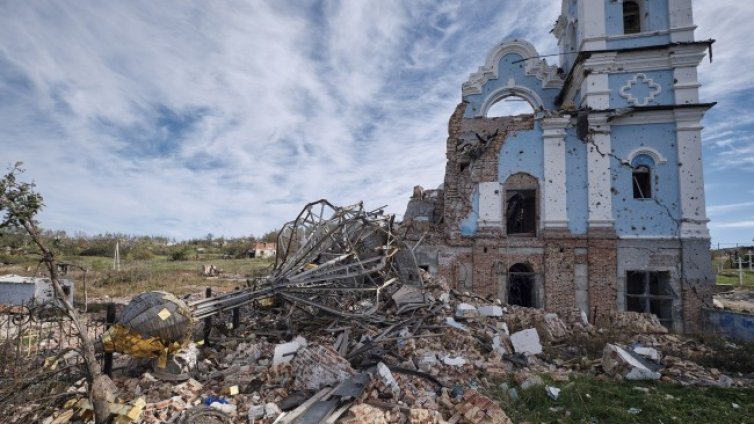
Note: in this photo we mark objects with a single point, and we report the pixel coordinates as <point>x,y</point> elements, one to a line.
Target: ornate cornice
<point>533,66</point>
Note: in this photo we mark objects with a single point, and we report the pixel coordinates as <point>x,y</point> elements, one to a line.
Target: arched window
<point>521,216</point>
<point>631,17</point>
<point>642,180</point>
<point>510,106</point>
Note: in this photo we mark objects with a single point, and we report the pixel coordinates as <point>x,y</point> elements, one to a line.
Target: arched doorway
<point>521,286</point>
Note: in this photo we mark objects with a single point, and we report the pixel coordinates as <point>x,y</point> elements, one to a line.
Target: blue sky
<point>187,118</point>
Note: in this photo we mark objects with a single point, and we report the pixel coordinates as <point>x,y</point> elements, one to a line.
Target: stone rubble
<point>440,366</point>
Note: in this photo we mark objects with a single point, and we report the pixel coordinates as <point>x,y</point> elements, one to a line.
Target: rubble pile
<point>348,329</point>
<point>427,364</point>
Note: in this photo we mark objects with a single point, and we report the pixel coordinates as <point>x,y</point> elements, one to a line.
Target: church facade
<point>595,200</point>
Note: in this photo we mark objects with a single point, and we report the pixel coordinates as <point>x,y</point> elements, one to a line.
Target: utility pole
<point>750,254</point>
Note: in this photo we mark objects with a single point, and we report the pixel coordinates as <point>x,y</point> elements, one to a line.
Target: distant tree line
<point>15,242</point>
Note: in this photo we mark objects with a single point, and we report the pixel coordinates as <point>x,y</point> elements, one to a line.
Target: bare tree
<point>19,203</point>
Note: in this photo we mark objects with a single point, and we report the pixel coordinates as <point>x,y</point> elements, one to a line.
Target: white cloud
<point>721,209</point>
<point>183,119</point>
<point>733,224</point>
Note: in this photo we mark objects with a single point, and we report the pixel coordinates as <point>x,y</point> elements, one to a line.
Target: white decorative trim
<point>654,90</point>
<point>654,154</point>
<point>533,66</point>
<point>555,211</point>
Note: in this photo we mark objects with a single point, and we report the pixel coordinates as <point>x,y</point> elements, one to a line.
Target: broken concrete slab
<point>618,362</point>
<point>490,311</point>
<point>526,342</point>
<point>285,352</point>
<point>647,352</point>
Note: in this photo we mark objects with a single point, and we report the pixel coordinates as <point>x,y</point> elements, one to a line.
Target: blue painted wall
<point>576,183</point>
<point>470,224</point>
<point>734,325</point>
<point>659,215</point>
<point>510,66</point>
<point>522,151</point>
<point>641,89</point>
<point>655,18</point>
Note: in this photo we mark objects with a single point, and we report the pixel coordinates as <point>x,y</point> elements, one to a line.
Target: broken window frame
<point>523,213</point>
<point>641,180</point>
<point>655,294</point>
<point>527,187</point>
<point>632,21</point>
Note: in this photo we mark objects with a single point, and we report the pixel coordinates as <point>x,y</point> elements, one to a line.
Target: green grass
<point>157,273</point>
<point>588,400</point>
<point>730,276</point>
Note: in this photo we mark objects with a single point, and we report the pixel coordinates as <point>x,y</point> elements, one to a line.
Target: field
<point>157,273</point>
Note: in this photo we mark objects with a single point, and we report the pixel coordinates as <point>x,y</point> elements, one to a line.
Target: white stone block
<point>526,342</point>
<point>490,311</point>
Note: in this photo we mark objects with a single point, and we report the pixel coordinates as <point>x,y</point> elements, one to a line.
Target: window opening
<point>521,286</point>
<point>648,291</point>
<point>520,213</point>
<point>510,106</point>
<point>631,17</point>
<point>642,179</point>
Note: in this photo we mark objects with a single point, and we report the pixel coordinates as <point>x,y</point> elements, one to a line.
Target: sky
<point>183,118</point>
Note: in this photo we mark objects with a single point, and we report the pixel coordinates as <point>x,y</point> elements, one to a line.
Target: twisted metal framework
<point>335,259</point>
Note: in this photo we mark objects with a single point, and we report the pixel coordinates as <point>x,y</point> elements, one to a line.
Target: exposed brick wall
<point>602,259</point>
<point>560,289</point>
<point>470,162</point>
<point>694,298</point>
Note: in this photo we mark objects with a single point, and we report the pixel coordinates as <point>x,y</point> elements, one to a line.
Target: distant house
<point>262,250</point>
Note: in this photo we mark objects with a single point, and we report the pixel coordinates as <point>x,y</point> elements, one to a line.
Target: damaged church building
<point>594,200</point>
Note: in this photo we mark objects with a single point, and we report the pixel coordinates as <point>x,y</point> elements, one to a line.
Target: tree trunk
<point>101,388</point>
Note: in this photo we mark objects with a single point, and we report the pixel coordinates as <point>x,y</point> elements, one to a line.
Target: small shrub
<point>179,255</point>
